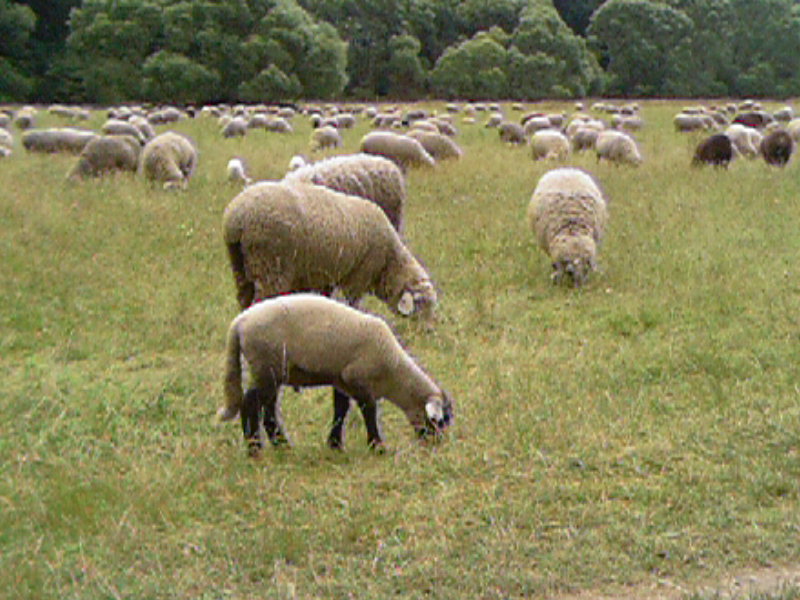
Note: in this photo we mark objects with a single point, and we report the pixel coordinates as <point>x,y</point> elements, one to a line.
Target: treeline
<point>197,51</point>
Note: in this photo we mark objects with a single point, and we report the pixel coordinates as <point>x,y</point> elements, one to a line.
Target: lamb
<point>715,150</point>
<point>405,151</point>
<point>617,147</point>
<point>169,157</point>
<point>324,138</point>
<point>286,237</point>
<point>307,340</point>
<point>777,147</point>
<point>439,146</point>
<point>549,144</point>
<point>237,172</point>
<point>105,154</point>
<point>56,140</point>
<point>373,178</point>
<point>568,213</point>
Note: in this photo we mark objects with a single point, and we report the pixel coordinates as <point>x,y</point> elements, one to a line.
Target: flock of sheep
<point>333,228</point>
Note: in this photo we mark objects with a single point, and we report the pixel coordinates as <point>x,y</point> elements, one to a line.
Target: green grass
<point>645,427</point>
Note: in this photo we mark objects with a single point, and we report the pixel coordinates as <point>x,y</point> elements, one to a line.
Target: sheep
<point>512,133</point>
<point>439,146</point>
<point>685,122</point>
<point>757,119</point>
<point>495,119</point>
<point>6,143</point>
<point>373,178</point>
<point>568,214</point>
<point>236,127</point>
<point>117,127</point>
<point>714,150</point>
<point>305,340</point>
<point>745,139</point>
<point>793,127</point>
<point>237,172</point>
<point>298,161</point>
<point>617,147</point>
<point>169,157</point>
<point>144,127</point>
<point>324,138</point>
<point>784,114</point>
<point>584,138</point>
<point>549,144</point>
<point>777,147</point>
<point>403,150</point>
<point>107,153</point>
<point>286,237</point>
<point>25,118</point>
<point>56,140</point>
<point>535,124</point>
<point>279,125</point>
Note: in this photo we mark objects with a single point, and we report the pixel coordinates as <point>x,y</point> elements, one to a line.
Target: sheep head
<point>573,257</point>
<point>437,417</point>
<point>419,297</point>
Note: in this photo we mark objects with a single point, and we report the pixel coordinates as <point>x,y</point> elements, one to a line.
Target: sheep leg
<point>273,420</point>
<point>251,423</point>
<point>371,413</point>
<point>341,406</point>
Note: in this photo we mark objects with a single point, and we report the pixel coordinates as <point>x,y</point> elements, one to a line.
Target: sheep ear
<point>433,408</point>
<point>406,304</point>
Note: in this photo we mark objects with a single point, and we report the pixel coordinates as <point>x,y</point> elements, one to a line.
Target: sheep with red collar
<point>306,340</point>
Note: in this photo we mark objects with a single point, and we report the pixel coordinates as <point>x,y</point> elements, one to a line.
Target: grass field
<point>644,428</point>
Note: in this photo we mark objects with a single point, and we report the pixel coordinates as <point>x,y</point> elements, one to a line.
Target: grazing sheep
<point>548,144</point>
<point>373,178</point>
<point>169,157</point>
<point>237,172</point>
<point>784,114</point>
<point>584,138</point>
<point>298,161</point>
<point>279,125</point>
<point>568,214</point>
<point>745,139</point>
<point>236,127</point>
<point>512,133</point>
<point>777,148</point>
<point>495,119</point>
<point>25,118</point>
<point>288,237</point>
<point>53,141</point>
<point>535,124</point>
<point>793,127</point>
<point>715,150</point>
<point>757,119</point>
<point>117,127</point>
<point>324,138</point>
<point>617,147</point>
<point>105,154</point>
<point>439,146</point>
<point>685,122</point>
<point>405,151</point>
<point>306,340</point>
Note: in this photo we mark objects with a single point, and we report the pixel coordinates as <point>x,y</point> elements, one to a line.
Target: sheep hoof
<point>225,413</point>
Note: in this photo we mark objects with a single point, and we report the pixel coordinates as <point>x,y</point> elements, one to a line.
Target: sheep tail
<point>232,385</point>
<point>245,289</point>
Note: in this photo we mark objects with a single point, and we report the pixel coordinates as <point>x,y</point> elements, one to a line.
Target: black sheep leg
<point>251,421</point>
<point>273,420</point>
<point>371,413</point>
<point>341,406</point>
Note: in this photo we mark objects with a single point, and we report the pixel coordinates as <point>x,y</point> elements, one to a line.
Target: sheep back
<point>373,178</point>
<point>107,153</point>
<point>405,151</point>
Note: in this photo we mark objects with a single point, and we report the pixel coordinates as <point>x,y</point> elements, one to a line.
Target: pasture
<point>641,430</point>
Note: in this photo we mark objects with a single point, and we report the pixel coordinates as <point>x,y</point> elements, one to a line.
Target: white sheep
<point>746,140</point>
<point>373,178</point>
<point>236,127</point>
<point>308,340</point>
<point>297,161</point>
<point>568,214</point>
<point>325,138</point>
<point>288,237</point>
<point>169,157</point>
<point>438,145</point>
<point>117,127</point>
<point>105,154</point>
<point>6,143</point>
<point>403,150</point>
<point>57,140</point>
<point>548,144</point>
<point>617,147</point>
<point>237,172</point>
<point>793,127</point>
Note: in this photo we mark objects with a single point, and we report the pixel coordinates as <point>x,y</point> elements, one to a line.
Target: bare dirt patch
<point>758,582</point>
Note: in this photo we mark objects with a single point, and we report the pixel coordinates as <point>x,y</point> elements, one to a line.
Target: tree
<point>407,76</point>
<point>640,43</point>
<point>17,22</point>
<point>170,77</point>
<point>577,13</point>
<point>475,69</point>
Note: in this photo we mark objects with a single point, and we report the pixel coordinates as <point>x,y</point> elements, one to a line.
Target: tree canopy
<point>193,51</point>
